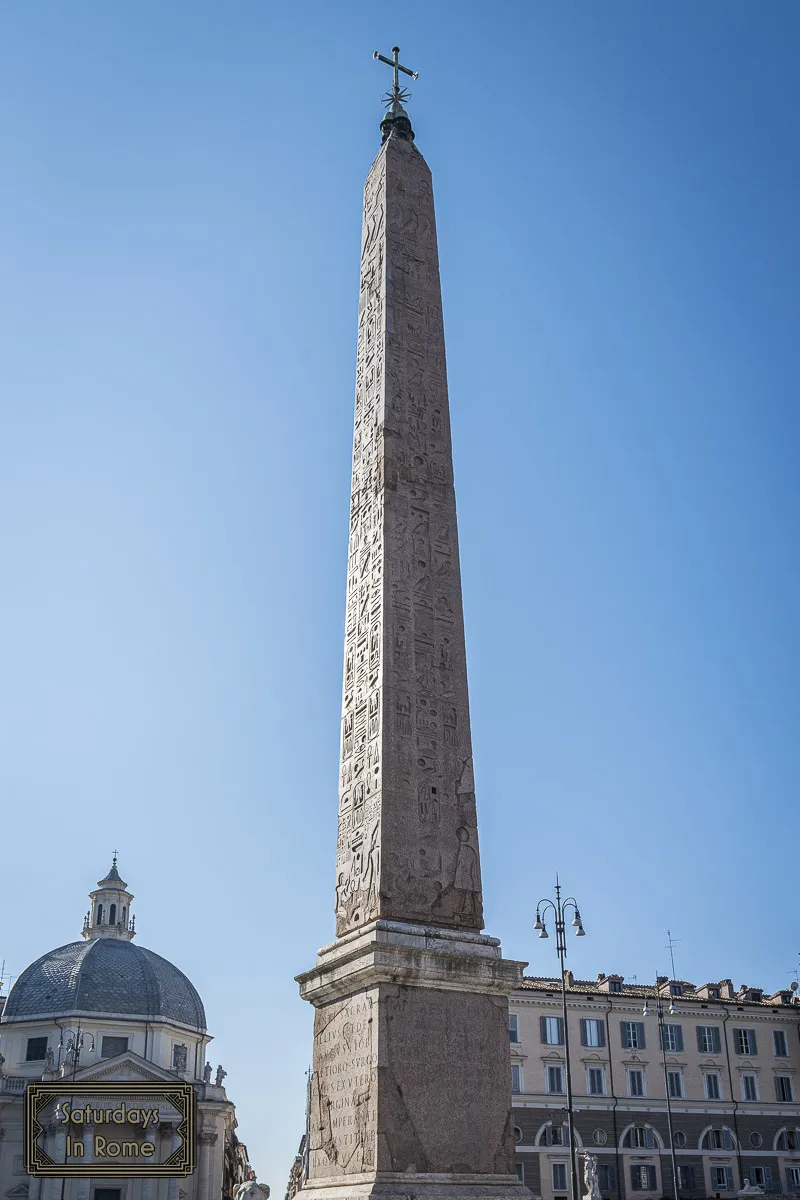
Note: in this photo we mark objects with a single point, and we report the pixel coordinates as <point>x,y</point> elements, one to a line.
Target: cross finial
<point>397,93</point>
<point>114,863</point>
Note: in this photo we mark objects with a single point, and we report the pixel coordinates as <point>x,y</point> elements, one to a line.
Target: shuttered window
<point>749,1087</point>
<point>783,1088</point>
<point>643,1178</point>
<point>713,1090</point>
<point>744,1041</point>
<point>632,1033</point>
<point>593,1033</point>
<point>555,1081</point>
<point>722,1179</point>
<point>672,1038</point>
<point>559,1177</point>
<point>607,1177</point>
<point>687,1179</point>
<point>552,1031</point>
<point>779,1043</point>
<point>708,1039</point>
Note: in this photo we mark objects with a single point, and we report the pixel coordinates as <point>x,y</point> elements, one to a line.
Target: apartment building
<point>724,1063</point>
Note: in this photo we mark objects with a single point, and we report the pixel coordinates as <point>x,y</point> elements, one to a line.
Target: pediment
<point>18,1192</point>
<point>125,1068</point>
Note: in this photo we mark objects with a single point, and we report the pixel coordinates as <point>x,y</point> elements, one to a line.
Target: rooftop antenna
<point>671,944</point>
<point>3,976</point>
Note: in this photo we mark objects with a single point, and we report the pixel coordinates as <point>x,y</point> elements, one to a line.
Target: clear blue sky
<point>617,199</point>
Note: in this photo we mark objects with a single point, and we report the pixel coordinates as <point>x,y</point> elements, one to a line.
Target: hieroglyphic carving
<point>408,846</point>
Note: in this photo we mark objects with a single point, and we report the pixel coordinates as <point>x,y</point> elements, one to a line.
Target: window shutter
<point>753,1042</point>
<point>601,1039</point>
<point>678,1037</point>
<point>716,1042</point>
<point>584,1036</point>
<point>635,1179</point>
<point>543,1029</point>
<point>623,1033</point>
<point>768,1179</point>
<point>651,1178</point>
<point>699,1032</point>
<point>729,1178</point>
<point>560,1027</point>
<point>640,1033</point>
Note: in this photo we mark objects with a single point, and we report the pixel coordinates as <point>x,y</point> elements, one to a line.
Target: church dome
<point>105,976</point>
<point>106,973</point>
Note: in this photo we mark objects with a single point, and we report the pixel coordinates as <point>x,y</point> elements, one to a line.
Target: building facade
<point>729,1060</point>
<point>105,1009</point>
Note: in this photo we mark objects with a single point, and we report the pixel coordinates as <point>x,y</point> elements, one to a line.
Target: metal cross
<point>115,858</point>
<point>397,93</point>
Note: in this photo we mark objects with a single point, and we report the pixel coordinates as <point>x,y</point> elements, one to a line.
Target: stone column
<point>84,1185</point>
<point>174,1184</point>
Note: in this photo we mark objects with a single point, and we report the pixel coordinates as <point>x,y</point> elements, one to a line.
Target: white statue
<point>590,1177</point>
<point>250,1190</point>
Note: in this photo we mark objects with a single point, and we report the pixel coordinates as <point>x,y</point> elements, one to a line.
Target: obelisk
<point>411,1086</point>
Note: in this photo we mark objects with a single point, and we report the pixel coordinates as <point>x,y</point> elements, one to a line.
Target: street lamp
<point>560,908</point>
<point>659,1000</point>
<point>73,1047</point>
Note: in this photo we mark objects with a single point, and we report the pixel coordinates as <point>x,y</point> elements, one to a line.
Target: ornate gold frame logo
<point>181,1162</point>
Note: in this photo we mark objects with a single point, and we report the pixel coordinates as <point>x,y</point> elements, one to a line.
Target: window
<point>687,1179</point>
<point>708,1039</point>
<point>788,1139</point>
<point>635,1083</point>
<point>721,1179</point>
<point>779,1043</point>
<point>112,915</point>
<point>555,1081</point>
<point>717,1139</point>
<point>713,993</point>
<point>592,1033</point>
<point>675,989</point>
<point>520,1169</point>
<point>107,1193</point>
<point>513,1027</point>
<point>783,1088</point>
<point>559,1177</point>
<point>99,918</point>
<point>793,1179</point>
<point>607,1177</point>
<point>517,1135</point>
<point>761,1177</point>
<point>516,1079</point>
<point>675,1084</point>
<point>36,1050</point>
<point>638,1136</point>
<point>713,1090</point>
<point>552,1030</point>
<point>615,986</point>
<point>749,1087</point>
<point>744,1041</point>
<point>679,1139</point>
<point>554,1135</point>
<point>643,1178</point>
<point>124,912</point>
<point>599,1137</point>
<point>672,1037</point>
<point>756,1140</point>
<point>595,1081</point>
<point>632,1035</point>
<point>112,1046</point>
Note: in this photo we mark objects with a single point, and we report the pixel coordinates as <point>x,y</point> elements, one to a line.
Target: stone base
<point>409,1185</point>
<point>411,1090</point>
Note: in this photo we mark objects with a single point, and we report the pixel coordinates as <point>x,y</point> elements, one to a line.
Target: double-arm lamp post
<point>560,909</point>
<point>659,1002</point>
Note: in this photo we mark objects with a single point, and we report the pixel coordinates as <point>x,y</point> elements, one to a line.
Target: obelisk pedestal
<point>411,1086</point>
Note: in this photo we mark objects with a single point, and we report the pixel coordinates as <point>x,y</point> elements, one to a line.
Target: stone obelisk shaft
<point>408,841</point>
<point>411,1088</point>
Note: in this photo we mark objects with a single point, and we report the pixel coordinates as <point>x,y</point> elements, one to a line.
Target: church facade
<point>106,1009</point>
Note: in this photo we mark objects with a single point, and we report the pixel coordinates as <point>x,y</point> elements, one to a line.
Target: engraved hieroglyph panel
<point>408,843</point>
